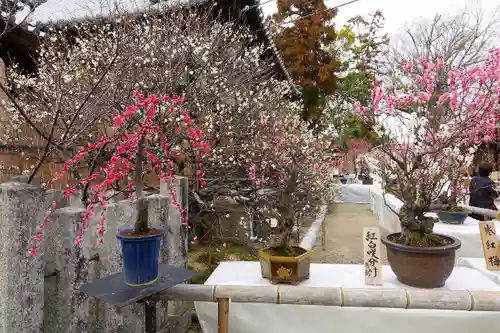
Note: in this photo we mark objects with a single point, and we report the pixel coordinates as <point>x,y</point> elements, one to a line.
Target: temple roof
<point>59,11</point>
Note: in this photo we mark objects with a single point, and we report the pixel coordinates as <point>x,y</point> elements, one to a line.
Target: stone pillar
<point>66,310</point>
<point>21,276</point>
<point>177,247</point>
<point>177,237</point>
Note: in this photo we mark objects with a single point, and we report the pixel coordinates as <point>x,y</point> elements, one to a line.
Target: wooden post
<point>371,251</point>
<point>223,315</point>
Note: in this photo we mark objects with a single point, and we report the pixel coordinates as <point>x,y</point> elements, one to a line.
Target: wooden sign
<point>490,245</point>
<point>371,251</point>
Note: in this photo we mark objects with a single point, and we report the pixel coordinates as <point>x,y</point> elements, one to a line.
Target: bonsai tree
<point>268,160</point>
<point>145,137</point>
<point>448,121</point>
<point>455,190</point>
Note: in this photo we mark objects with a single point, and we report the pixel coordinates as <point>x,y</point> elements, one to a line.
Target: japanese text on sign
<point>373,259</point>
<point>494,261</point>
<point>371,253</point>
<point>488,230</point>
<point>490,245</point>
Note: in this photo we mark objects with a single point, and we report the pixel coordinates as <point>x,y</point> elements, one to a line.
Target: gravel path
<point>195,328</point>
<point>343,235</point>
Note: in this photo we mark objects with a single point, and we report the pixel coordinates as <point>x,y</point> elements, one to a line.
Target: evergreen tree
<point>360,45</point>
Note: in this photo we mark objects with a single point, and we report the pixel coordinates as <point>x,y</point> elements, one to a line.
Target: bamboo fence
<point>398,298</point>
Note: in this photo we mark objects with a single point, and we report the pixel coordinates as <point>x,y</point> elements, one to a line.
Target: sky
<point>397,12</point>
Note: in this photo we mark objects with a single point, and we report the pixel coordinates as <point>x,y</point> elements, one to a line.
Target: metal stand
<point>112,289</point>
<point>150,315</point>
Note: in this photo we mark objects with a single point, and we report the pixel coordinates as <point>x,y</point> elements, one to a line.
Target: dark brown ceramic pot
<point>421,267</point>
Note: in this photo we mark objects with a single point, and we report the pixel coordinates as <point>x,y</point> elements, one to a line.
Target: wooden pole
<point>223,315</point>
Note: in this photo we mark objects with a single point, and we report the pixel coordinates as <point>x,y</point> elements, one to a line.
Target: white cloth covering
<point>479,264</point>
<point>273,318</point>
<point>354,193</point>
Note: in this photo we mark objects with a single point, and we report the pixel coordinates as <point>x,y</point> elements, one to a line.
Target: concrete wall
<point>41,294</point>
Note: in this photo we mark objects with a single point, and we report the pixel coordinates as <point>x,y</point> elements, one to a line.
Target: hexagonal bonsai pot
<point>285,269</point>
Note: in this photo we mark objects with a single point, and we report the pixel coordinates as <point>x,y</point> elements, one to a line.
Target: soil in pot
<point>130,233</point>
<point>426,263</point>
<point>430,240</point>
<point>285,264</point>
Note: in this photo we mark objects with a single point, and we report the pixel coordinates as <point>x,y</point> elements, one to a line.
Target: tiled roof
<point>270,38</point>
<point>55,11</point>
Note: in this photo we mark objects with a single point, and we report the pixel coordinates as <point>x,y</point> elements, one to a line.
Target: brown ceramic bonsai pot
<point>280,269</point>
<point>421,267</point>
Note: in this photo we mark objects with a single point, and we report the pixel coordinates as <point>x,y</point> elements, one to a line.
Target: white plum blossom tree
<point>263,155</point>
<point>88,71</point>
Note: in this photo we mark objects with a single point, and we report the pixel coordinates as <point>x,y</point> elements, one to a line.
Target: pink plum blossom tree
<point>270,161</point>
<point>144,136</point>
<point>449,122</point>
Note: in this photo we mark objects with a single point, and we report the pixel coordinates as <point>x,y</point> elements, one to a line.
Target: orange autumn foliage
<point>306,29</point>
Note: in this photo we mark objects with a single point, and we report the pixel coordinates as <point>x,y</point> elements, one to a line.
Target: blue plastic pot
<point>140,257</point>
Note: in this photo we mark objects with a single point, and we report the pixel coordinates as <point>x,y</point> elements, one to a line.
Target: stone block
<point>177,236</point>
<point>21,276</point>
<point>67,310</point>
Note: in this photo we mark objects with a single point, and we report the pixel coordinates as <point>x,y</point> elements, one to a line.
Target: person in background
<point>482,190</point>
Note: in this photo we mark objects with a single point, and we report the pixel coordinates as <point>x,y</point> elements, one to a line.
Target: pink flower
<point>377,95</point>
<point>361,110</point>
<point>424,96</point>
<point>122,145</point>
<point>441,63</point>
<point>443,98</point>
<point>408,66</point>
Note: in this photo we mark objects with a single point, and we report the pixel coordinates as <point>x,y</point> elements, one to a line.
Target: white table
<point>354,193</point>
<point>479,264</point>
<point>468,232</point>
<point>273,318</point>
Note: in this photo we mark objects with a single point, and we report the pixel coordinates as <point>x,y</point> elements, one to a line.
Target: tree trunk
<point>286,210</point>
<point>141,224</point>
